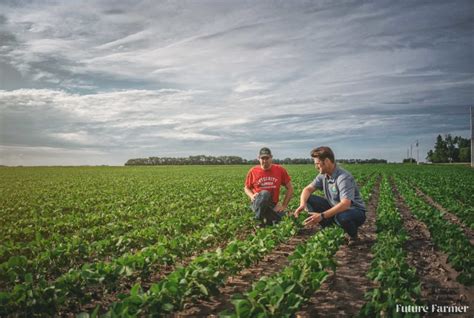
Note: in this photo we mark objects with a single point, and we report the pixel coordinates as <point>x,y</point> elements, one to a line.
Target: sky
<point>100,82</point>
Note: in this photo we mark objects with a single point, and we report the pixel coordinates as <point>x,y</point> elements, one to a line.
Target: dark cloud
<point>11,79</point>
<point>3,19</point>
<point>7,38</point>
<point>366,77</point>
<point>114,11</point>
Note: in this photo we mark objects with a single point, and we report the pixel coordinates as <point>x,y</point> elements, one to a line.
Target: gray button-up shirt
<point>340,185</point>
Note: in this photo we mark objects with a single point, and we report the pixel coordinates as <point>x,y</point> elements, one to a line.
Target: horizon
<point>138,79</point>
<point>249,161</point>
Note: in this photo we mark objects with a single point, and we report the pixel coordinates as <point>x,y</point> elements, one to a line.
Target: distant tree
<point>409,160</point>
<point>449,149</point>
<point>230,160</point>
<point>465,154</point>
<point>361,161</point>
<point>430,156</point>
<point>441,151</point>
<point>462,142</point>
<point>464,145</point>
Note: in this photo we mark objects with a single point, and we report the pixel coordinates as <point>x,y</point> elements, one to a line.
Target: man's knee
<point>342,218</point>
<point>263,199</point>
<point>317,204</point>
<point>351,215</point>
<point>266,195</point>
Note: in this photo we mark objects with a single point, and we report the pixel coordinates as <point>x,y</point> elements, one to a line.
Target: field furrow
<point>183,241</point>
<point>342,294</point>
<point>438,278</point>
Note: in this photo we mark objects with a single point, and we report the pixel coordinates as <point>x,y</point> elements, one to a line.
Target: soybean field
<point>181,241</point>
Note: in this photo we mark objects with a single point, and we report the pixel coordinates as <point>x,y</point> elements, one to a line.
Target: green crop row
<point>73,251</point>
<point>444,196</point>
<point>447,236</point>
<point>396,281</point>
<point>203,275</point>
<point>129,228</point>
<point>68,231</point>
<point>281,295</point>
<point>452,183</point>
<point>32,297</point>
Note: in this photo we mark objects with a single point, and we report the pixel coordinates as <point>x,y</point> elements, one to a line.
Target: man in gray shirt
<point>342,203</point>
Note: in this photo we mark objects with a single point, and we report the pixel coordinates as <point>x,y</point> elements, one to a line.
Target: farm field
<point>181,240</point>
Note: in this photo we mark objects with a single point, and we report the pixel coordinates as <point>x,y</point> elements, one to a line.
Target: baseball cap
<point>264,152</point>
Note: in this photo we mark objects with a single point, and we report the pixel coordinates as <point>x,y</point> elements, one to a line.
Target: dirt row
<point>104,297</point>
<point>438,278</point>
<point>448,216</point>
<point>269,265</point>
<point>342,294</point>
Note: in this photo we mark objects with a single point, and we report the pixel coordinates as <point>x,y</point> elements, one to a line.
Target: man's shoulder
<point>277,167</point>
<point>256,168</point>
<point>343,174</point>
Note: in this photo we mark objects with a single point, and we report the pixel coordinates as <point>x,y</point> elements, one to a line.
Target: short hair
<point>322,153</point>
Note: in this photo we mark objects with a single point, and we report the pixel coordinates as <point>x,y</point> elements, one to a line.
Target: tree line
<point>450,149</point>
<point>230,160</point>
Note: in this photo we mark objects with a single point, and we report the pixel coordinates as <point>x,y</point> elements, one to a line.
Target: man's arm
<point>338,208</point>
<point>304,198</point>
<point>288,195</point>
<point>249,192</point>
<point>286,200</point>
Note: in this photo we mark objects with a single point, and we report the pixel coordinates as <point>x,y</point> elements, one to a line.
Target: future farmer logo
<point>333,188</point>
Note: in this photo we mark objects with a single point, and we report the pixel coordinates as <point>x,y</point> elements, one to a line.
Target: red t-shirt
<point>270,180</point>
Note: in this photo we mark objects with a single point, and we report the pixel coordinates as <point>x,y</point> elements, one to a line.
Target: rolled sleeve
<point>318,182</point>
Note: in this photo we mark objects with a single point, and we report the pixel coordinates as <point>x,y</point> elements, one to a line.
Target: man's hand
<point>254,195</point>
<point>314,219</point>
<point>298,210</point>
<point>279,207</point>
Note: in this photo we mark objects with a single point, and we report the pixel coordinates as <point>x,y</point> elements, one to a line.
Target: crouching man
<point>342,202</point>
<point>262,186</point>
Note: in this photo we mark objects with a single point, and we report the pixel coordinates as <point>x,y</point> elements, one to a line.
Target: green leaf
<point>136,289</point>
<point>203,289</point>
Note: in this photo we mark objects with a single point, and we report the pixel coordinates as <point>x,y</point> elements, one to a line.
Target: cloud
<point>133,120</point>
<point>78,137</point>
<point>105,120</point>
<point>228,76</point>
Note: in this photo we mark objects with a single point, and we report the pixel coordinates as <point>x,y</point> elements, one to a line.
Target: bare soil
<point>448,215</point>
<point>100,296</point>
<point>342,294</point>
<point>269,265</point>
<point>438,278</point>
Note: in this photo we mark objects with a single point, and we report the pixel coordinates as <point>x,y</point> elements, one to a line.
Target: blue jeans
<point>349,220</point>
<point>263,208</point>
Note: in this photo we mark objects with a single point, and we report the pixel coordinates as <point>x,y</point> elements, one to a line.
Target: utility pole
<point>411,153</point>
<point>417,153</point>
<point>472,138</point>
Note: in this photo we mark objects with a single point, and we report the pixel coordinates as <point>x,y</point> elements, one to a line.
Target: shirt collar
<point>335,174</point>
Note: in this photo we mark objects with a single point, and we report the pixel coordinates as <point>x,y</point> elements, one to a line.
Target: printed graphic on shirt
<point>267,182</point>
<point>333,188</point>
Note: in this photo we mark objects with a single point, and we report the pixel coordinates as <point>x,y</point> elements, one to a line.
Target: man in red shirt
<point>262,186</point>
